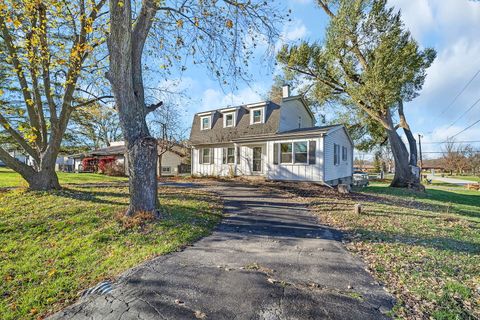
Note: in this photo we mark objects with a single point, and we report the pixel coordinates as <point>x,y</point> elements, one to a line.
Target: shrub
<point>114,169</point>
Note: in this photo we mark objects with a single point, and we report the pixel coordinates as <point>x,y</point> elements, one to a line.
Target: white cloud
<point>214,99</point>
<point>295,31</point>
<point>417,15</point>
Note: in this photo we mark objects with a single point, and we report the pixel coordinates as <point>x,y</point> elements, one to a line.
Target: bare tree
<point>167,126</point>
<point>454,157</point>
<point>94,126</point>
<point>220,35</point>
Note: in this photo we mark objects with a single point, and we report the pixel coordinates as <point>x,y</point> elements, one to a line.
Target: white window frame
<point>209,122</point>
<point>225,119</point>
<point>336,154</point>
<point>292,143</point>
<point>262,115</point>
<point>210,156</point>
<point>344,153</point>
<point>306,152</point>
<point>225,155</point>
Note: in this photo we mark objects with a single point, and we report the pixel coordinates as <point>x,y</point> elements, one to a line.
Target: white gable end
<point>294,115</point>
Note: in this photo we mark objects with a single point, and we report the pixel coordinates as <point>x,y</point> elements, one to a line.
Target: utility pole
<point>420,150</point>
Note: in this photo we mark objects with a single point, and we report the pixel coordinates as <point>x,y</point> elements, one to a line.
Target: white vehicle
<point>360,178</point>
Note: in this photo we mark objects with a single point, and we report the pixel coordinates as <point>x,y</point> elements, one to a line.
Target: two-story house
<point>279,142</point>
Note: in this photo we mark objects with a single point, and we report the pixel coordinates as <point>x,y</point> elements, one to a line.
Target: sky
<point>451,27</point>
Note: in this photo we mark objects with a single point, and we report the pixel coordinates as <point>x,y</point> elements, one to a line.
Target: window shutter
<point>200,156</point>
<point>212,158</point>
<point>224,155</point>
<point>312,152</point>
<point>238,155</point>
<point>275,153</point>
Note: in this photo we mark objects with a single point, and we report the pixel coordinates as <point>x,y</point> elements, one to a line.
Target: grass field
<point>55,244</point>
<point>469,178</point>
<point>9,178</point>
<point>424,248</point>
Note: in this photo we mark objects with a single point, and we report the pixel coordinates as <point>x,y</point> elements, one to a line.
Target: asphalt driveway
<point>268,259</point>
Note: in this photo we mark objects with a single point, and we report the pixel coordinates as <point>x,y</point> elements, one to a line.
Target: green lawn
<point>470,178</point>
<point>9,178</point>
<point>55,244</point>
<point>424,247</point>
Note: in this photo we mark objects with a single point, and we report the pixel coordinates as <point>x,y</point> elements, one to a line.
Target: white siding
<point>296,172</point>
<point>345,168</point>
<point>244,168</point>
<point>217,168</point>
<point>289,113</point>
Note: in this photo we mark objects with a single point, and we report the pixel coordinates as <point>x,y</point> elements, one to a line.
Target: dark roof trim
<point>297,133</point>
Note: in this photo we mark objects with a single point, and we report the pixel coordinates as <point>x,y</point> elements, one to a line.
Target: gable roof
<point>242,128</point>
<point>121,150</point>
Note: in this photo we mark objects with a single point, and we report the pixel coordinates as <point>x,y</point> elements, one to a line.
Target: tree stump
<point>343,188</point>
<point>357,208</point>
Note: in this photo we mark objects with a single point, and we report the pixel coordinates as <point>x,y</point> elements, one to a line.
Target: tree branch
<point>20,140</point>
<point>20,75</point>
<point>11,162</point>
<point>92,101</point>
<point>154,107</point>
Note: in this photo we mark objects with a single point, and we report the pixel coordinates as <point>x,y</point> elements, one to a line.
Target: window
<point>205,156</point>
<point>228,155</point>
<point>205,122</point>
<point>336,154</point>
<point>300,152</point>
<point>229,120</point>
<point>285,152</point>
<point>166,169</point>
<point>257,116</point>
<point>344,153</point>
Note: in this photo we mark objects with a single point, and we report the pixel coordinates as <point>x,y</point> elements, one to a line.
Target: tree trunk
<point>142,159</point>
<point>404,177</point>
<point>43,180</point>
<point>125,75</point>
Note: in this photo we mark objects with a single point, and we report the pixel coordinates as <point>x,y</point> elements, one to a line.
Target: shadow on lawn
<point>96,196</point>
<point>439,243</point>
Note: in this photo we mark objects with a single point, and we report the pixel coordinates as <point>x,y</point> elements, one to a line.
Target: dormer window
<point>205,122</point>
<point>257,116</point>
<point>229,120</point>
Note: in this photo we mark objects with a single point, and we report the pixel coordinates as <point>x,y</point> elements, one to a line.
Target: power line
<point>465,129</point>
<point>467,111</point>
<point>440,142</point>
<point>460,93</point>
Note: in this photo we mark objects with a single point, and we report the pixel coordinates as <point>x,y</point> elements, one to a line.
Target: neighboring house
<point>116,150</point>
<point>63,163</point>
<point>171,160</point>
<point>174,160</point>
<point>279,142</point>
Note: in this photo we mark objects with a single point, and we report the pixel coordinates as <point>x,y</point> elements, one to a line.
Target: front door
<point>257,159</point>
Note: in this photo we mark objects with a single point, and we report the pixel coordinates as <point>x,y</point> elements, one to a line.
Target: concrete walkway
<point>268,259</point>
<point>451,180</point>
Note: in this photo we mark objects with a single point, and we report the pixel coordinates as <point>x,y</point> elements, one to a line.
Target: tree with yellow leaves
<point>45,46</point>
